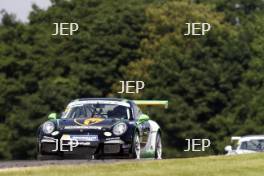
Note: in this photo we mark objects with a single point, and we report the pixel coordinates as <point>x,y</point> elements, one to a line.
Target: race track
<point>34,163</point>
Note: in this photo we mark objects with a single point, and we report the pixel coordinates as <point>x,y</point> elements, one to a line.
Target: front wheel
<point>158,147</point>
<point>136,147</point>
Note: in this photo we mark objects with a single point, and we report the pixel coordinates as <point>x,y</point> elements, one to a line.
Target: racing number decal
<point>92,121</point>
<point>88,121</point>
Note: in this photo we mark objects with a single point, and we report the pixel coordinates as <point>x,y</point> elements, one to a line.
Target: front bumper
<point>108,146</point>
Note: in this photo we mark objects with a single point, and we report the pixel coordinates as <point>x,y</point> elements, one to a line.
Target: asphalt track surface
<point>35,163</point>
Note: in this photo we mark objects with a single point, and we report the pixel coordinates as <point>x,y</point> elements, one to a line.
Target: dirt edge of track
<point>36,163</point>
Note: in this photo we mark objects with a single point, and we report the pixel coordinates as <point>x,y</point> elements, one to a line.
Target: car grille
<point>111,148</point>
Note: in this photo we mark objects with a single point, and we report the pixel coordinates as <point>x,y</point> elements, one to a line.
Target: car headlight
<point>48,127</point>
<point>119,129</point>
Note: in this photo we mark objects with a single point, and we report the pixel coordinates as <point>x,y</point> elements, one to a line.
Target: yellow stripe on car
<point>89,121</point>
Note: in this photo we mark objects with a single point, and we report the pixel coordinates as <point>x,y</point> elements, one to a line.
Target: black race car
<point>101,127</point>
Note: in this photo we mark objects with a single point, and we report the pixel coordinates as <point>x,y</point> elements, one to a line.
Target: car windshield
<point>255,145</point>
<point>97,110</point>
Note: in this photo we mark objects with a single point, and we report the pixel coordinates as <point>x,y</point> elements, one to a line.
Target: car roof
<point>251,137</point>
<point>81,101</point>
<point>108,99</point>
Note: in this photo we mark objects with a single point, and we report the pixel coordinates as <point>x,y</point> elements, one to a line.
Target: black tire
<point>136,146</point>
<point>158,147</point>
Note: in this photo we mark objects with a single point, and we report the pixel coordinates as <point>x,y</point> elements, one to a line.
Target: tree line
<point>214,83</point>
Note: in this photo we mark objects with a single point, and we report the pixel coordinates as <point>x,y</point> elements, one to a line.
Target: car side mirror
<point>228,148</point>
<point>52,116</point>
<point>143,117</point>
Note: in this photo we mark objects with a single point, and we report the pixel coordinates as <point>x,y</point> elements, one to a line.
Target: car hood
<point>86,123</point>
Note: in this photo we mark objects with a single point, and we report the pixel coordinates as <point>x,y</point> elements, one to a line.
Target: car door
<point>144,128</point>
<point>145,133</point>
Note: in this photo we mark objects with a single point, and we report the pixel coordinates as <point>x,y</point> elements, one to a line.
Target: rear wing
<point>164,103</point>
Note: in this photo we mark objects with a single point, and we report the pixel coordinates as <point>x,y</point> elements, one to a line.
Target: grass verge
<point>248,165</point>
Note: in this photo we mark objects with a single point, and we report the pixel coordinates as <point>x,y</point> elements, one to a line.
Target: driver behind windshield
<point>97,110</point>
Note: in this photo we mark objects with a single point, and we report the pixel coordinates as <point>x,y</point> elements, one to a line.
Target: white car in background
<point>246,145</point>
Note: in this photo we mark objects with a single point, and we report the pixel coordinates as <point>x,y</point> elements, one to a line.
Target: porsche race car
<point>101,127</point>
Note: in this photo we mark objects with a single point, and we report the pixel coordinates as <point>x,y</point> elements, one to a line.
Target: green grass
<point>248,165</point>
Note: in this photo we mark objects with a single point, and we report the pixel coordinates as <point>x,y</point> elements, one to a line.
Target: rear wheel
<point>158,147</point>
<point>136,147</point>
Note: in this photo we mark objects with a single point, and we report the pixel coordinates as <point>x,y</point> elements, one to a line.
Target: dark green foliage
<point>40,73</point>
<point>206,79</point>
<point>214,83</point>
